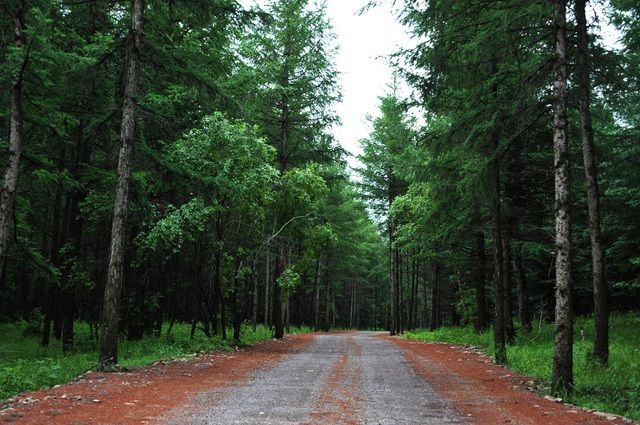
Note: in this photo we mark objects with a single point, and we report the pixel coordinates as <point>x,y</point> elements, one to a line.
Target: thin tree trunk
<point>254,311</point>
<point>108,356</point>
<point>509,330</point>
<point>326,325</point>
<point>433,322</point>
<point>562,373</point>
<point>277,300</point>
<point>393,325</point>
<point>316,296</point>
<point>398,292</point>
<point>523,299</point>
<point>10,182</point>
<point>478,273</point>
<point>498,289</point>
<point>496,219</point>
<point>600,293</point>
<point>267,290</point>
<point>513,189</point>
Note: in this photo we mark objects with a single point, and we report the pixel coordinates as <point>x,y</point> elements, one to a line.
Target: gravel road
<point>340,378</point>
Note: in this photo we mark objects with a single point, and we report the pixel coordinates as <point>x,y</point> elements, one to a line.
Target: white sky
<point>364,42</point>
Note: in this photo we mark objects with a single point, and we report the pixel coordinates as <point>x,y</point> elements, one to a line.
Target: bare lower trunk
<point>267,291</point>
<point>277,300</point>
<point>393,326</point>
<point>479,279</point>
<point>316,296</point>
<point>254,310</point>
<point>326,325</point>
<point>600,293</point>
<point>562,374</point>
<point>108,356</point>
<point>509,330</point>
<point>523,299</point>
<point>10,182</point>
<point>498,288</point>
<point>433,322</point>
<point>496,219</point>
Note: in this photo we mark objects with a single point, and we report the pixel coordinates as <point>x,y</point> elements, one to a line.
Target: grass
<point>25,365</point>
<point>614,389</point>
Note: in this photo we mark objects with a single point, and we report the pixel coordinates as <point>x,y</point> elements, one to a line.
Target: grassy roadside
<point>25,365</point>
<point>614,389</point>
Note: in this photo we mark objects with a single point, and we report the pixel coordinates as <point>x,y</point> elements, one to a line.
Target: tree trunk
<point>509,330</point>
<point>267,292</point>
<point>326,325</point>
<point>498,288</point>
<point>478,273</point>
<point>433,323</point>
<point>393,324</point>
<point>523,299</point>
<point>316,296</point>
<point>600,293</point>
<point>515,202</point>
<point>277,300</point>
<point>562,374</point>
<point>10,182</point>
<point>108,356</point>
<point>254,310</point>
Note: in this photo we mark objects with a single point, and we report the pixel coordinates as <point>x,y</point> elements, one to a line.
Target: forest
<point>173,162</point>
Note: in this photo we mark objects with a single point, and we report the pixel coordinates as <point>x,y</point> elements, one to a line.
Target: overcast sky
<point>364,42</point>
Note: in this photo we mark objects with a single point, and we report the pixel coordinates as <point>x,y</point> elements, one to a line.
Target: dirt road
<point>336,378</point>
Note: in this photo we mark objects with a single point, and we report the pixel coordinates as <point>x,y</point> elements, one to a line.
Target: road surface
<point>341,378</point>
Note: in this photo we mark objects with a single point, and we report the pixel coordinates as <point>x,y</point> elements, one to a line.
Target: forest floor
<point>333,378</point>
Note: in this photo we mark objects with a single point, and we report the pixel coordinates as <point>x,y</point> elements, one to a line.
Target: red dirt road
<point>355,380</point>
<point>488,393</point>
<point>143,394</point>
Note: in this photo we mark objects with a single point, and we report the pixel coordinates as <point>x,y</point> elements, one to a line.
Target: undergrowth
<point>26,365</point>
<point>615,388</point>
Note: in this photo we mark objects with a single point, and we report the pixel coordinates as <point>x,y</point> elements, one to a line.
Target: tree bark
<point>254,310</point>
<point>498,288</point>
<point>10,182</point>
<point>513,189</point>
<point>316,296</point>
<point>523,298</point>
<point>562,373</point>
<point>108,356</point>
<point>393,325</point>
<point>479,280</point>
<point>267,291</point>
<point>509,330</point>
<point>326,325</point>
<point>278,324</point>
<point>433,322</point>
<point>496,219</point>
<point>600,292</point>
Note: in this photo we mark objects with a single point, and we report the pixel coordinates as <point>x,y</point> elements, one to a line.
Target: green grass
<point>614,389</point>
<point>25,365</point>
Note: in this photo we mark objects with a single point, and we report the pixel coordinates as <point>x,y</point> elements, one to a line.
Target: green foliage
<point>33,323</point>
<point>169,234</point>
<point>24,365</point>
<point>289,279</point>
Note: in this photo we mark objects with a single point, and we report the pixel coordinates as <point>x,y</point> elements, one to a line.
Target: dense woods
<point>173,161</point>
<point>516,196</point>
